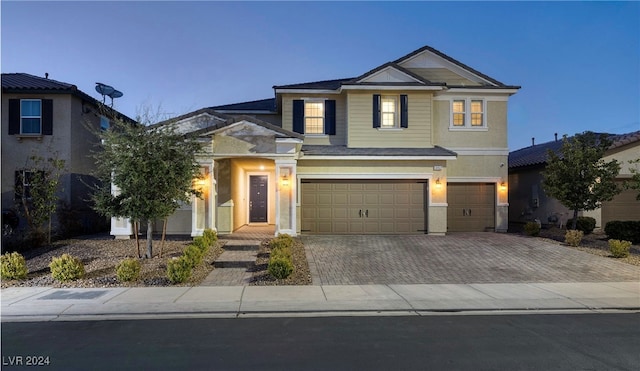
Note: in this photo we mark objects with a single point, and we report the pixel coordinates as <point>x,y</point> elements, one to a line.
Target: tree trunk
<point>149,253</point>
<point>164,233</point>
<point>135,233</point>
<point>574,224</point>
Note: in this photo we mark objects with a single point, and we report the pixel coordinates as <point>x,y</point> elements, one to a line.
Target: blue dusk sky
<point>578,62</point>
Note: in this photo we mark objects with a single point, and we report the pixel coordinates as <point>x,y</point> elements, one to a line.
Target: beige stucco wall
<point>361,133</point>
<point>624,154</point>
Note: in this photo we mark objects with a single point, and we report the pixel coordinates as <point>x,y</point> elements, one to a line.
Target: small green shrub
<point>628,230</point>
<point>532,229</point>
<point>193,255</point>
<point>13,266</point>
<point>210,236</point>
<point>201,243</point>
<point>128,270</point>
<point>573,237</point>
<point>585,224</point>
<point>619,249</point>
<point>284,252</point>
<point>178,270</point>
<point>280,267</point>
<point>282,241</point>
<point>66,268</point>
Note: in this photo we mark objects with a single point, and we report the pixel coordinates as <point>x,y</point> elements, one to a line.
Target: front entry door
<point>258,199</point>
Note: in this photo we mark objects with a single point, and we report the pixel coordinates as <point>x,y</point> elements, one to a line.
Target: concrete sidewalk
<point>51,304</point>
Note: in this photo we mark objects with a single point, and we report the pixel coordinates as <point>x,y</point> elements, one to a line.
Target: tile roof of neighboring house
<point>25,81</point>
<point>255,105</point>
<point>320,150</point>
<point>537,154</point>
<point>29,84</point>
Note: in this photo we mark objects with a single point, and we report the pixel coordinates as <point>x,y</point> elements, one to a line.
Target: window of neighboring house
<point>468,113</point>
<point>30,116</point>
<point>104,123</point>
<point>389,111</point>
<point>314,117</point>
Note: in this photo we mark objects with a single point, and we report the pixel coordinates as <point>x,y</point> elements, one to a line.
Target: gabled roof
<point>255,105</point>
<point>537,154</point>
<point>488,82</point>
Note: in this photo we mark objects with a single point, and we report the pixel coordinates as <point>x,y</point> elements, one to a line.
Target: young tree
<point>578,177</point>
<point>153,168</point>
<point>37,190</point>
<point>634,182</point>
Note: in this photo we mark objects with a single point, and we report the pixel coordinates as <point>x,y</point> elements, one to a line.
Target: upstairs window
<point>468,113</point>
<point>30,116</point>
<point>390,111</point>
<point>314,116</point>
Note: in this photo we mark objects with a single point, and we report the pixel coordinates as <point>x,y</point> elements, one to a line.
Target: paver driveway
<point>456,258</point>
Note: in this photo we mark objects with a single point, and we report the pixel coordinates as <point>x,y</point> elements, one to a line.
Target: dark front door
<point>258,199</point>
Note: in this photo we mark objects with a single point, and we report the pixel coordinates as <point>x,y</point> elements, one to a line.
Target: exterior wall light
<point>503,186</point>
<point>438,184</point>
<point>285,181</point>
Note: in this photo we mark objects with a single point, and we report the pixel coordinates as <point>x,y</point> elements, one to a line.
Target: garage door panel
<point>624,206</point>
<point>471,207</point>
<point>364,206</point>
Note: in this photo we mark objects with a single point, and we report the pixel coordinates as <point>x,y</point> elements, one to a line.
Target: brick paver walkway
<point>456,258</point>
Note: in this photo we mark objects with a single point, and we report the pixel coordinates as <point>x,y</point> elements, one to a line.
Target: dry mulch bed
<point>300,276</point>
<point>595,243</point>
<point>100,255</point>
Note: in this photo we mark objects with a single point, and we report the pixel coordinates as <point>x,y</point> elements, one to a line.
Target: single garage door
<point>363,206</point>
<point>623,207</point>
<point>471,207</point>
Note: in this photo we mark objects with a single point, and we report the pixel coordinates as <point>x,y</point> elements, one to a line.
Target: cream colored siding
<point>494,136</point>
<point>341,116</point>
<point>362,134</point>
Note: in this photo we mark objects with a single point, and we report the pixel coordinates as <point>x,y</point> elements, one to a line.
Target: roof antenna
<point>533,141</point>
<point>109,91</point>
<point>556,136</point>
<point>46,75</point>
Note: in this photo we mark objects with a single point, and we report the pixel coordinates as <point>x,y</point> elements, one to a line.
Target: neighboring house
<point>417,145</point>
<point>528,201</point>
<point>45,117</point>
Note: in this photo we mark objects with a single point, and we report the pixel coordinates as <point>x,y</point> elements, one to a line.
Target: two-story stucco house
<point>42,117</point>
<point>414,146</point>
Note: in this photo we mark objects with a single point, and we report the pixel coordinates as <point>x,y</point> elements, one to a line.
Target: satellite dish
<point>108,91</point>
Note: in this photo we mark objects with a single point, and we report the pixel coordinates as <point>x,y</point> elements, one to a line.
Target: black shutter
<point>404,111</point>
<point>376,110</point>
<point>298,116</point>
<point>14,116</point>
<point>47,117</point>
<point>330,117</point>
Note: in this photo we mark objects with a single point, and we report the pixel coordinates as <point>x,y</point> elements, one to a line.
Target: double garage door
<point>363,206</point>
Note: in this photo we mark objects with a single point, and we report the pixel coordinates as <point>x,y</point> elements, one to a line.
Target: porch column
<point>286,189</point>
<point>202,211</point>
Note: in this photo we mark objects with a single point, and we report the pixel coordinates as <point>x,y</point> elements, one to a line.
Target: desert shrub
<point>66,268</point>
<point>585,224</point>
<point>128,270</point>
<point>201,243</point>
<point>13,266</point>
<point>623,230</point>
<point>193,255</point>
<point>282,241</point>
<point>532,229</point>
<point>573,237</point>
<point>178,269</point>
<point>619,249</point>
<point>210,236</point>
<point>280,267</point>
<point>284,252</point>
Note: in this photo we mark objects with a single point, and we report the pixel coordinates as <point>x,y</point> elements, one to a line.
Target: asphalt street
<point>446,342</point>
